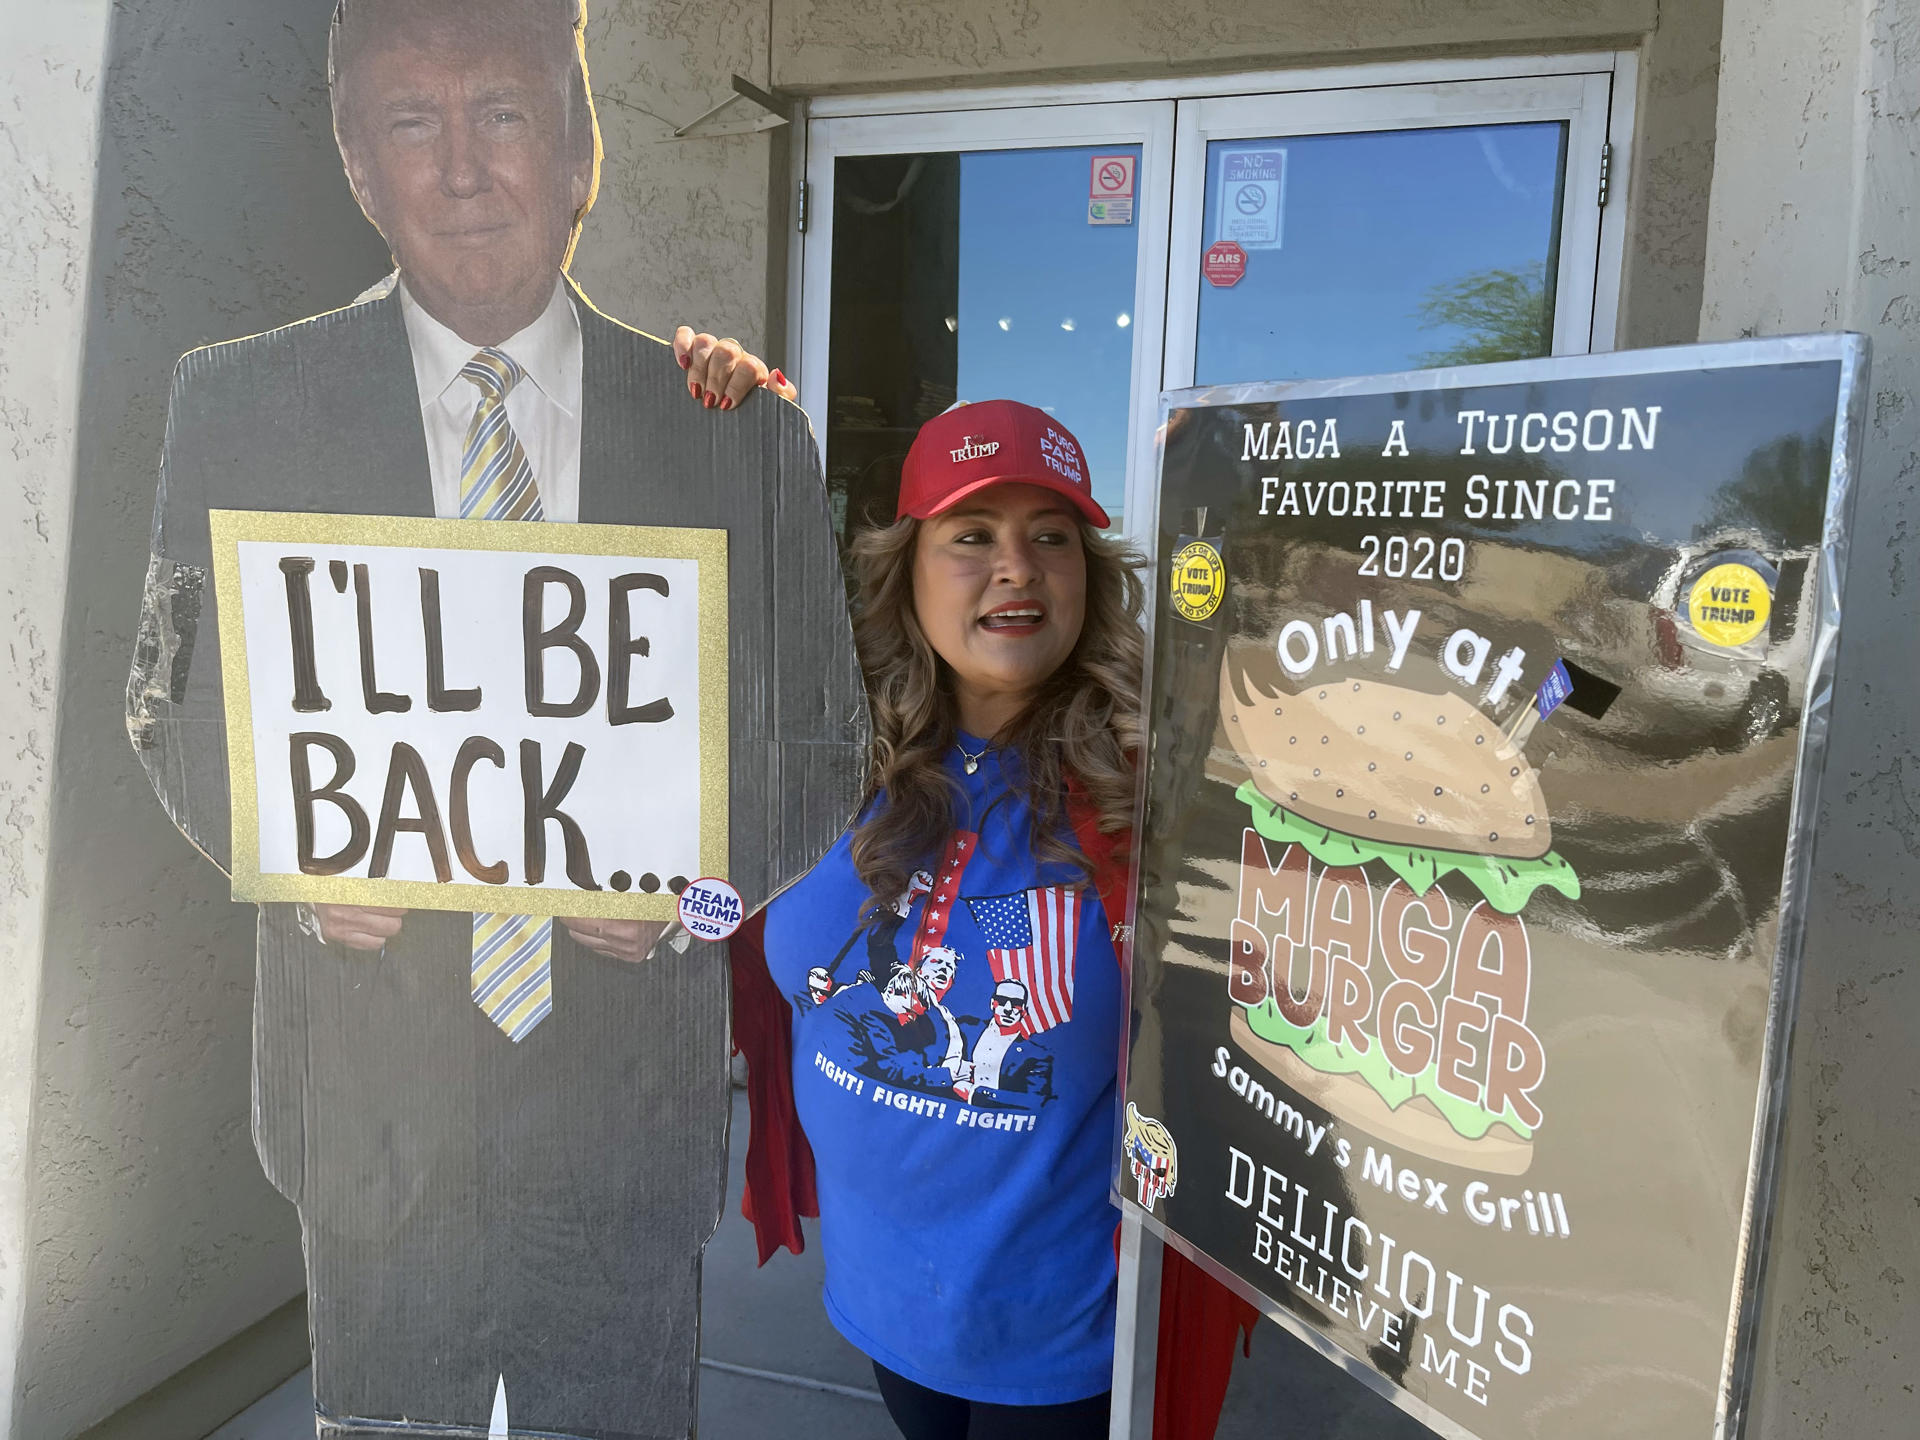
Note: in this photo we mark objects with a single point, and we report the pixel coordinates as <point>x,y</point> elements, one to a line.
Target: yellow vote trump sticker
<point>1730,604</point>
<point>1199,581</point>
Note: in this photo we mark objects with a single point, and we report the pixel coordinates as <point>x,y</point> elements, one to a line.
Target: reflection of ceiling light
<point>953,324</point>
<point>1123,320</point>
<point>1067,324</point>
<point>1006,322</point>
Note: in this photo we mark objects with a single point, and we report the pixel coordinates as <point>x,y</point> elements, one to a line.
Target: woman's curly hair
<point>1085,722</point>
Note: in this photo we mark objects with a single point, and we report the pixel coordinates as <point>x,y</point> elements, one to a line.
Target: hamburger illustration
<point>1408,790</point>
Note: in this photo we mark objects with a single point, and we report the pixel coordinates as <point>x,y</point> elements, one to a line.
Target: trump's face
<point>937,969</point>
<point>458,145</point>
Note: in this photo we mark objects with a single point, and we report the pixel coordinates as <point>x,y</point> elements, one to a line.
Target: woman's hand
<point>721,373</point>
<point>628,940</point>
<point>358,927</point>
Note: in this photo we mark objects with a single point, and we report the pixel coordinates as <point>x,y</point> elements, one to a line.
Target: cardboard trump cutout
<point>470,760</point>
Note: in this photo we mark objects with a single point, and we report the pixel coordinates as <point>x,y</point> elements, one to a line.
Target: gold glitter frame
<point>230,528</point>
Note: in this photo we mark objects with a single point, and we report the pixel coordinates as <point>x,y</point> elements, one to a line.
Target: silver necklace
<point>972,760</point>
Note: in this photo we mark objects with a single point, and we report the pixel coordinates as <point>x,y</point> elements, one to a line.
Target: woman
<point>957,997</point>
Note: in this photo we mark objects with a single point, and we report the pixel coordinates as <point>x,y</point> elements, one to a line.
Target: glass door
<point>1017,252</point>
<point>1386,228</point>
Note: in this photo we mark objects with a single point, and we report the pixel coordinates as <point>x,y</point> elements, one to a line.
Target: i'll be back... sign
<point>444,714</point>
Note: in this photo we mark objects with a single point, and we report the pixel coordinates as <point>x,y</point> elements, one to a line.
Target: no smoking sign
<point>1252,196</point>
<point>1110,190</point>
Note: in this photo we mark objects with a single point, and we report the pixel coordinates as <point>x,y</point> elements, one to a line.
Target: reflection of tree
<point>1506,314</point>
<point>1782,491</point>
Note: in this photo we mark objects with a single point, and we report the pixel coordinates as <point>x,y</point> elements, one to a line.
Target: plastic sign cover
<point>1488,714</point>
<point>426,712</point>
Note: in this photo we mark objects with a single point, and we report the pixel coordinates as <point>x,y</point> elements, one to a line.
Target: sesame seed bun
<point>1383,763</point>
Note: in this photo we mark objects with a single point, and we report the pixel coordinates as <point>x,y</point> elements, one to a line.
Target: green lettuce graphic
<point>1507,884</point>
<point>1330,1058</point>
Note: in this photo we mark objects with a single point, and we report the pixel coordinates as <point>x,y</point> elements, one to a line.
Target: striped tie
<point>496,479</point>
<point>513,971</point>
<point>512,977</point>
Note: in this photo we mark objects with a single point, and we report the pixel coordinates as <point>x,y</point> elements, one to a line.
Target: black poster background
<point>1649,993</point>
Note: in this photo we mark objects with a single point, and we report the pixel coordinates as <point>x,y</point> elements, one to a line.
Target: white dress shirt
<point>544,408</point>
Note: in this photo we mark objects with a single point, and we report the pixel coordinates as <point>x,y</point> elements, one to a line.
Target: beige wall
<point>1816,226</point>
<point>1667,188</point>
<point>50,67</point>
<point>826,45</point>
<point>213,207</point>
<point>680,230</point>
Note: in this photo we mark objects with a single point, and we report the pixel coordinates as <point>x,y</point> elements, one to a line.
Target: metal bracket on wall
<point>774,110</point>
<point>1606,167</point>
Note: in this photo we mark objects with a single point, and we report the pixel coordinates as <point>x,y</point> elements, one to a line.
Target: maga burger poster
<point>1487,720</point>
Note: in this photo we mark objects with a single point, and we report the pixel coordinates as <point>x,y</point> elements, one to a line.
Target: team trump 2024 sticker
<point>711,909</point>
<point>1199,581</point>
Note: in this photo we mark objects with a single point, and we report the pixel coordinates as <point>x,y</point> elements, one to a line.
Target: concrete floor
<point>811,1385</point>
<point>286,1414</point>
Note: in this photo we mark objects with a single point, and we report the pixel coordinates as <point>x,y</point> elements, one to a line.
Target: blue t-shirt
<point>954,1066</point>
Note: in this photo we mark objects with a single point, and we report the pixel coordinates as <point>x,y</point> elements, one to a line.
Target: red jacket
<point>1199,1318</point>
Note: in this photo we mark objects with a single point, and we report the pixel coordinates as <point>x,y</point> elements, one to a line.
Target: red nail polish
<point>710,402</point>
<point>686,362</point>
<point>777,378</point>
<point>693,388</point>
<point>726,403</point>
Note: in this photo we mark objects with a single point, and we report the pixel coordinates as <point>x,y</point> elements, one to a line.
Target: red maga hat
<point>993,442</point>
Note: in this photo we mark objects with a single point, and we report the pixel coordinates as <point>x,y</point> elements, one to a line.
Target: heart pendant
<point>973,766</point>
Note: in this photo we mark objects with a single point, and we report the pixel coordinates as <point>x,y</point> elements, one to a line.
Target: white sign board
<point>1253,190</point>
<point>457,715</point>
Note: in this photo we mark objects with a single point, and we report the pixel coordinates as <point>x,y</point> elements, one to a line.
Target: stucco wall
<point>50,66</point>
<point>1669,180</point>
<point>1816,226</point>
<point>825,45</point>
<point>680,231</point>
<point>154,1237</point>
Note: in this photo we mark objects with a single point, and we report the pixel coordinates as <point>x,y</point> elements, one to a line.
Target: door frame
<point>1250,82</point>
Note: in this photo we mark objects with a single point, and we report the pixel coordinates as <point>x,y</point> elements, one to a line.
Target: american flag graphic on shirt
<point>1030,937</point>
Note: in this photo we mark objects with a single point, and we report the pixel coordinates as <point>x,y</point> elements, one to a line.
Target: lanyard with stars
<point>946,891</point>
